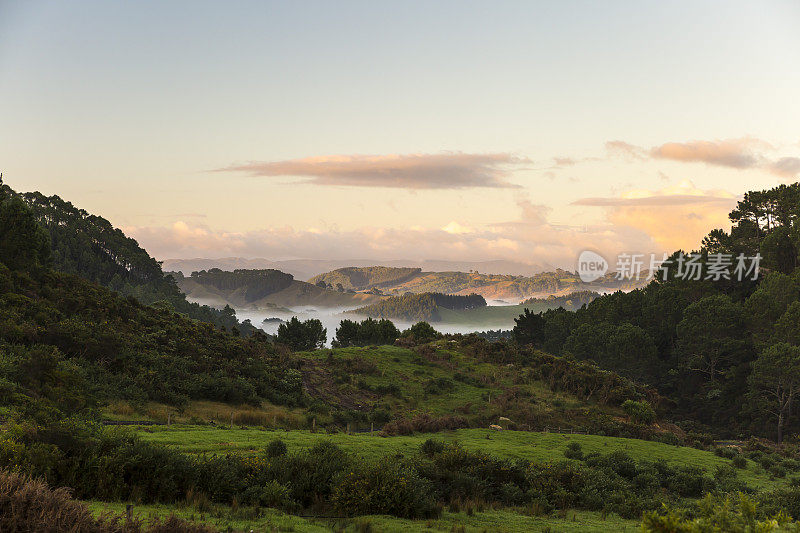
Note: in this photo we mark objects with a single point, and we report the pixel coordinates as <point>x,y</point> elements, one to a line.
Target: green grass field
<point>508,444</point>
<point>505,520</point>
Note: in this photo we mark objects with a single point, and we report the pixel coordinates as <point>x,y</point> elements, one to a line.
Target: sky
<point>525,131</point>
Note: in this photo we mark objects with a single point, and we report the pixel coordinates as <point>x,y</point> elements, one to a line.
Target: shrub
<point>431,447</point>
<point>28,504</point>
<point>639,412</point>
<point>276,448</point>
<point>573,451</point>
<point>424,423</point>
<point>386,487</point>
<point>727,453</point>
<point>715,514</point>
<point>439,385</point>
<point>739,462</point>
<point>777,471</point>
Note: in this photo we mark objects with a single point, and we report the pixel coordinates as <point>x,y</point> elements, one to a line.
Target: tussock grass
<point>30,505</point>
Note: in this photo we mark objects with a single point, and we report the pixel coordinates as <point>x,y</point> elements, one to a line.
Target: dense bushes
<point>419,333</point>
<point>107,465</point>
<point>59,333</point>
<point>306,335</point>
<point>740,514</point>
<point>639,412</point>
<point>422,306</point>
<point>423,423</point>
<point>29,505</point>
<point>387,487</point>
<point>365,333</point>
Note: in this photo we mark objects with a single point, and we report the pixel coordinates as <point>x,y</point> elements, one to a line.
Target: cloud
<point>787,167</point>
<point>531,238</point>
<point>675,217</point>
<point>450,170</point>
<point>657,200</point>
<point>629,151</point>
<point>743,153</point>
<point>734,153</point>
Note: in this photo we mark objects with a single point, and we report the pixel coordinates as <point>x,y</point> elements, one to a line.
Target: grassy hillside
<point>512,288</point>
<point>535,446</point>
<point>270,520</point>
<point>469,383</point>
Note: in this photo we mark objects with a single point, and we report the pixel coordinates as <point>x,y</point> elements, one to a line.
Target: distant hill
<point>419,307</point>
<point>427,306</point>
<point>305,269</point>
<point>361,278</point>
<point>263,289</point>
<point>398,281</point>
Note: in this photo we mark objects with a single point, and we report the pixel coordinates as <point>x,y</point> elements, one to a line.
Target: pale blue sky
<point>122,107</point>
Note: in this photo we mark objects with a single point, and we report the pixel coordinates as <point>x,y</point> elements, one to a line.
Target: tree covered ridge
<point>256,283</point>
<point>416,307</point>
<point>358,278</point>
<point>91,247</point>
<point>67,344</point>
<point>715,347</point>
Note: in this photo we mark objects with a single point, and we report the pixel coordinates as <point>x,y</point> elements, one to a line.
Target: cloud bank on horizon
<point>633,221</point>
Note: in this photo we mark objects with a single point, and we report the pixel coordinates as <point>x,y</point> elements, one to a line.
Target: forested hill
<point>91,247</point>
<point>363,278</point>
<point>266,288</point>
<point>726,351</point>
<point>424,307</point>
<point>68,344</point>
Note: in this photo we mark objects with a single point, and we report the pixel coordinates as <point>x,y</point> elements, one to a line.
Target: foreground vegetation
<point>257,433</point>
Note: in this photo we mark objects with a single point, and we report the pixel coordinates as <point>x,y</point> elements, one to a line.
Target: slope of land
<point>263,289</point>
<point>426,307</point>
<point>506,287</point>
<point>91,247</point>
<point>305,269</point>
<point>431,308</point>
<point>365,278</point>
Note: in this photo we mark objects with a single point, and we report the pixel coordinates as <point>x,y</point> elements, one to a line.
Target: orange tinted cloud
<point>675,217</point>
<point>743,153</point>
<point>411,171</point>
<point>735,153</point>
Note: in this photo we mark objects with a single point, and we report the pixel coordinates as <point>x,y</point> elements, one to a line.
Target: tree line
<point>727,352</point>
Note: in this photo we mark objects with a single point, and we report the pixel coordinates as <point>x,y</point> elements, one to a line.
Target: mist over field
<point>331,318</point>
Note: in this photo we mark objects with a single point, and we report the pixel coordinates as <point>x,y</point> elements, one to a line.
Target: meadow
<point>270,520</point>
<point>535,446</point>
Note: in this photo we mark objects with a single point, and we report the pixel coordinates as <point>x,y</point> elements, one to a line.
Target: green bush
<point>276,448</point>
<point>777,471</point>
<point>639,412</point>
<point>739,462</point>
<point>573,451</point>
<point>387,487</point>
